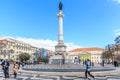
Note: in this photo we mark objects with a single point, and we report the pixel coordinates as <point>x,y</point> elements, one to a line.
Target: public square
<point>60,39</point>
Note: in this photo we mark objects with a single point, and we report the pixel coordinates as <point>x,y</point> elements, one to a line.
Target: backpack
<point>88,64</point>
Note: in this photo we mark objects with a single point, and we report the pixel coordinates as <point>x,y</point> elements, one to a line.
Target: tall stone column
<point>60,48</point>
<point>60,31</point>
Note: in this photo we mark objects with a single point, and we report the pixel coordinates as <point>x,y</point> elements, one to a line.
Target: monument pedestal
<point>58,59</point>
<point>59,55</point>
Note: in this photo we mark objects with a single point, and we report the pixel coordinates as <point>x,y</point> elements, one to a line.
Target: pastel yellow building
<point>11,48</point>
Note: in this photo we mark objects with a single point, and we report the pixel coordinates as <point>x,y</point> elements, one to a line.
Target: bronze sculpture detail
<point>60,6</point>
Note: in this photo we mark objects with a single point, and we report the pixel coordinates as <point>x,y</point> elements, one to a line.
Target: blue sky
<point>87,23</point>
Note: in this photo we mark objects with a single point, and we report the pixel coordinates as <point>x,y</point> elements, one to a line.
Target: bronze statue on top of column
<point>60,6</point>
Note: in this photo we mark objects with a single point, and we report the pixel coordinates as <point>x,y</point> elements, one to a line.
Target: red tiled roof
<point>1,41</point>
<point>86,49</point>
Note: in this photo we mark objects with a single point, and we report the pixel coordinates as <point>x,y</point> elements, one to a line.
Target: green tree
<point>24,56</point>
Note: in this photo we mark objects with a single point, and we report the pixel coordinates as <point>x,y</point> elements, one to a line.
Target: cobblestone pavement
<point>45,77</point>
<point>25,76</point>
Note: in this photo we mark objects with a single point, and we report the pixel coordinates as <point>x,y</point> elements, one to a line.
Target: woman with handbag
<point>88,69</point>
<point>15,70</point>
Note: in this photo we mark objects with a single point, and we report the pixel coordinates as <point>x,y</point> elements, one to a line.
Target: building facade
<point>11,48</point>
<point>94,54</point>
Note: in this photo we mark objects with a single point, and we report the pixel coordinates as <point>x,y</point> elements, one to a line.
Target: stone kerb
<point>99,73</point>
<point>81,74</point>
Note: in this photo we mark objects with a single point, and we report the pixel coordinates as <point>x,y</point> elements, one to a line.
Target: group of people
<point>16,65</point>
<point>77,60</point>
<point>5,68</point>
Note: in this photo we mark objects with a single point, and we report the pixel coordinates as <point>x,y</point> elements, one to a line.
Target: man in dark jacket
<point>5,68</point>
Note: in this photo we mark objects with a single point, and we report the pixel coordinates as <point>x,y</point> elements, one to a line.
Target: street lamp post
<point>4,54</point>
<point>9,55</point>
<point>108,47</point>
<point>36,55</point>
<point>31,58</point>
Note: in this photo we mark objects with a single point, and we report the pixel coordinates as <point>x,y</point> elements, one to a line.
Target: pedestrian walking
<point>84,62</point>
<point>115,63</point>
<point>0,62</point>
<point>103,62</point>
<point>15,69</point>
<point>88,69</point>
<point>18,65</point>
<point>5,68</point>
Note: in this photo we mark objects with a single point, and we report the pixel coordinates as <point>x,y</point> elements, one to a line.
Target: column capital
<point>60,14</point>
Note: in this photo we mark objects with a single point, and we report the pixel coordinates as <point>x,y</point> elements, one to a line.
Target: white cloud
<point>118,1</point>
<point>117,32</point>
<point>44,43</point>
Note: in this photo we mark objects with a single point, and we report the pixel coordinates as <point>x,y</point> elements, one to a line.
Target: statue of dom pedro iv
<point>60,6</point>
